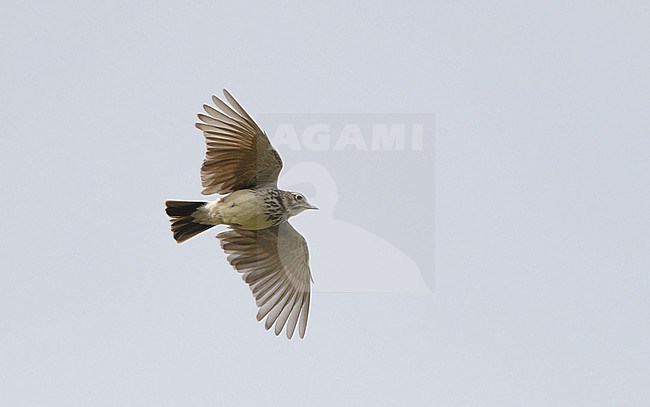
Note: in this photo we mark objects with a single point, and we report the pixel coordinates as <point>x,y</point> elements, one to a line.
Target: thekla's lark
<point>261,244</point>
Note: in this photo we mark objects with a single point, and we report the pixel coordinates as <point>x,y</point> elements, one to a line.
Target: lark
<point>261,244</point>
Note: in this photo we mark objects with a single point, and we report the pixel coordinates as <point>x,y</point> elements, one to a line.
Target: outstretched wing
<point>239,154</point>
<point>275,264</point>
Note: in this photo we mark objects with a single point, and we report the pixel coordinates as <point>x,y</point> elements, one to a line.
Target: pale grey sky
<point>530,227</point>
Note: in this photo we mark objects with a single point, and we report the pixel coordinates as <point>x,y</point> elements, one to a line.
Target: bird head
<point>296,203</point>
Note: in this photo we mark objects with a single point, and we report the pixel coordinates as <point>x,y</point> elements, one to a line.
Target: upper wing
<point>275,264</point>
<point>239,154</point>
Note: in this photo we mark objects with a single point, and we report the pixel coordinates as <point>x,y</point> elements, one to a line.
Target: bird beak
<point>312,207</point>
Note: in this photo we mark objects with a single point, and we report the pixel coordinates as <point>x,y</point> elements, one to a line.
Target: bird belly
<point>244,210</point>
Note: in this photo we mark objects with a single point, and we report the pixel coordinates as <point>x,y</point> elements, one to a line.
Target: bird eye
<point>298,197</point>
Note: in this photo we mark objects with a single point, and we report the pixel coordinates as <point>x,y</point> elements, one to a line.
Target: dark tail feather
<point>183,225</point>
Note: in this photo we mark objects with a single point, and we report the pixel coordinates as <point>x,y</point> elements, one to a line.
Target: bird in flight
<point>261,244</point>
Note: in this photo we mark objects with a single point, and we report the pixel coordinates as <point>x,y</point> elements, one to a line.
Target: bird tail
<point>184,225</point>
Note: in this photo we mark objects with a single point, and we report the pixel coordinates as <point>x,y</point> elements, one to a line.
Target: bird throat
<point>275,208</point>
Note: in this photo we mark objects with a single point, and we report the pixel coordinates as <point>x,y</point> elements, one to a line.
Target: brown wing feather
<point>274,262</point>
<point>239,154</point>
